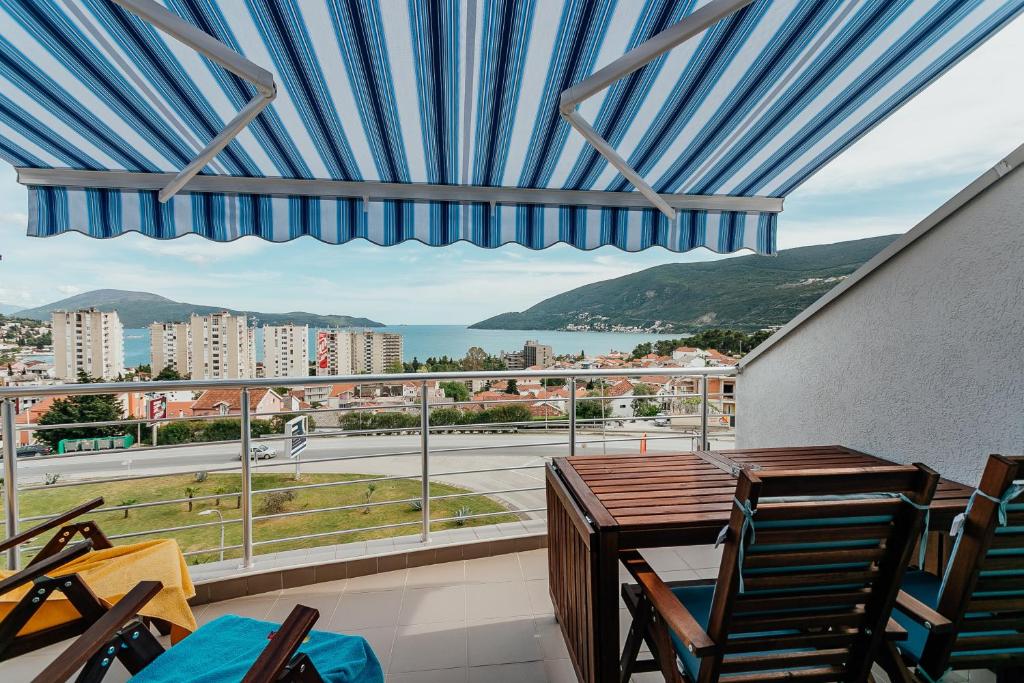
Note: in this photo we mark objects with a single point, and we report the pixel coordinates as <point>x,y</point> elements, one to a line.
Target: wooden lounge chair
<point>220,650</point>
<point>812,563</point>
<point>976,619</point>
<point>57,552</point>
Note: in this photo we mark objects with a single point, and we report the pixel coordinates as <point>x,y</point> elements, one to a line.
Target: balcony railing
<point>427,477</point>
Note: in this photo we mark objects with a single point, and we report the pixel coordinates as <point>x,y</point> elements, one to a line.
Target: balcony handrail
<point>413,377</point>
<point>425,405</point>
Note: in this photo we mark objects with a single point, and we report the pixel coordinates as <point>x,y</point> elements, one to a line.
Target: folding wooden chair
<point>57,551</point>
<point>972,618</point>
<point>812,563</point>
<point>120,634</point>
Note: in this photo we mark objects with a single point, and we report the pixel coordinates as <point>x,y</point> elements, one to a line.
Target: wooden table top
<point>695,489</point>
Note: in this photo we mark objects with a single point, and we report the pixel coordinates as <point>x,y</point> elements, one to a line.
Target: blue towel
<point>224,649</point>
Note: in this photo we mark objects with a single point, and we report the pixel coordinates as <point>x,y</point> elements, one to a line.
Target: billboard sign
<point>158,408</point>
<point>321,350</point>
<point>296,430</point>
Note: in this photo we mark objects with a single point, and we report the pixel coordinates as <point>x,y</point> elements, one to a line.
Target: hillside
<point>139,309</point>
<point>7,309</point>
<point>742,293</point>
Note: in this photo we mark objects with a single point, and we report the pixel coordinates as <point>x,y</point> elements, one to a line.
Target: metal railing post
<point>704,445</point>
<point>425,458</point>
<point>10,477</point>
<point>572,416</point>
<point>246,482</point>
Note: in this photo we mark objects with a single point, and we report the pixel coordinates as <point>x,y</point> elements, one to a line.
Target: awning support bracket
<point>641,55</point>
<point>219,53</point>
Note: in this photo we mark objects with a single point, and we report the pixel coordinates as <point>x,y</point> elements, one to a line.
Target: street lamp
<point>212,511</point>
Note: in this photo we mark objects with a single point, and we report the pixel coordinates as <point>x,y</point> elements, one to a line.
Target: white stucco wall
<point>921,361</point>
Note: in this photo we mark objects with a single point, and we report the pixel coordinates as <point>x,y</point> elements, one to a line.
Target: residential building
<point>535,353</point>
<point>87,341</point>
<point>170,345</point>
<point>285,350</point>
<point>375,352</point>
<point>333,352</point>
<point>229,402</point>
<point>222,346</point>
<point>514,360</point>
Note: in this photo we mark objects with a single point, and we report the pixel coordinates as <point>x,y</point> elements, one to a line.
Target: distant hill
<point>139,309</point>
<point>741,293</point>
<point>7,309</point>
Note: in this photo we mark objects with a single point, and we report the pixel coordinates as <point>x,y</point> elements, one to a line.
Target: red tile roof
<point>212,398</point>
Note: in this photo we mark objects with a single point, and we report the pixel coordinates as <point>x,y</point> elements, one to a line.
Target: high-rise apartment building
<point>351,353</point>
<point>375,352</point>
<point>87,340</point>
<point>285,350</point>
<point>535,353</point>
<point>222,346</point>
<point>170,345</point>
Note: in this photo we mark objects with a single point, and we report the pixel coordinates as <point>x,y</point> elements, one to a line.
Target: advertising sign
<point>158,408</point>
<point>321,350</point>
<point>296,429</point>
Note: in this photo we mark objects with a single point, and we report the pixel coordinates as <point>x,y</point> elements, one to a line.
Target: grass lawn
<point>45,502</point>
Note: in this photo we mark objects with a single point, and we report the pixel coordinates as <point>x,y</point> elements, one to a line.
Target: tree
<point>395,368</point>
<point>168,374</point>
<point>456,391</point>
<point>78,409</point>
<point>642,350</point>
<point>642,406</point>
<point>590,410</point>
<point>143,369</point>
<point>553,382</point>
<point>511,387</point>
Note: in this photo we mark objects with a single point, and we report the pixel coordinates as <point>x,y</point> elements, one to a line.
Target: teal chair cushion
<point>925,588</point>
<point>224,649</point>
<point>697,600</point>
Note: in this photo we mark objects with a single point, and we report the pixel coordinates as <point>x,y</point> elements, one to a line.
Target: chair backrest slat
<point>983,592</point>
<point>820,569</point>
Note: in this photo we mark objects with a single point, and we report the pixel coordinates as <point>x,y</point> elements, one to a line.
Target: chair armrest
<point>99,634</point>
<point>922,613</point>
<point>893,630</point>
<point>52,523</point>
<point>44,567</point>
<point>282,646</point>
<point>673,612</point>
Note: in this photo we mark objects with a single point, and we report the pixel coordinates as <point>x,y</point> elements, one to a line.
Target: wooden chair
<point>976,619</point>
<point>120,634</point>
<point>812,563</point>
<point>55,553</point>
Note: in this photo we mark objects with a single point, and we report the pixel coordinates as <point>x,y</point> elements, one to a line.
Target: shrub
<point>274,503</point>
<point>460,516</point>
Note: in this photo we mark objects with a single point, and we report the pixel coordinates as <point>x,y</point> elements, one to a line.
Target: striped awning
<point>439,120</point>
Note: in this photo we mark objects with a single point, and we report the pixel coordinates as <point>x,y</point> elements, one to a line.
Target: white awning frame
<point>640,56</point>
<point>219,53</point>
<point>377,191</point>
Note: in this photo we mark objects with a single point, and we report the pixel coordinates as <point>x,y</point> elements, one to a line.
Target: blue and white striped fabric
<point>461,92</point>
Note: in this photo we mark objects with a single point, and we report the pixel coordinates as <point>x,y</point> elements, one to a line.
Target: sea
<point>425,341</point>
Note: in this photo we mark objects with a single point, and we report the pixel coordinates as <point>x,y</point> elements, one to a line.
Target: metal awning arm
<point>219,53</point>
<point>641,55</point>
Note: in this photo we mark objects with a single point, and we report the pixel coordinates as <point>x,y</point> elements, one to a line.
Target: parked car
<point>661,420</point>
<point>261,451</point>
<point>32,450</point>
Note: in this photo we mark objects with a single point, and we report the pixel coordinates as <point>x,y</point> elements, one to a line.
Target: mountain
<point>742,293</point>
<point>139,309</point>
<point>7,309</point>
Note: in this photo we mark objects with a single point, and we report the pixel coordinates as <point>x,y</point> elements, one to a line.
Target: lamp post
<point>220,517</point>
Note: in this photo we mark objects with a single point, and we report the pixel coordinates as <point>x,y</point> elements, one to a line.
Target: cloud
<point>69,290</point>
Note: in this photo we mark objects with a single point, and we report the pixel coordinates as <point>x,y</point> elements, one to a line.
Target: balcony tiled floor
<point>488,620</point>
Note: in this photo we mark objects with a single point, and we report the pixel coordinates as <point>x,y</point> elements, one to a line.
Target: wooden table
<point>599,505</point>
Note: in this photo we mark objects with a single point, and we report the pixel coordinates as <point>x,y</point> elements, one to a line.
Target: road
<point>397,455</point>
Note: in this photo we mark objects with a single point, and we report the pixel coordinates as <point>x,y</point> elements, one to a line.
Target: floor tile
<point>366,610</point>
<point>325,603</point>
<point>700,556</point>
<point>497,600</point>
<point>503,641</point>
<point>495,569</point>
<point>430,646</point>
<point>433,575</point>
<point>560,671</point>
<point>377,582</point>
<point>549,637</point>
<point>509,673</point>
<point>534,564</point>
<point>664,559</point>
<point>428,605</point>
<point>436,676</point>
<point>540,597</point>
<point>381,641</point>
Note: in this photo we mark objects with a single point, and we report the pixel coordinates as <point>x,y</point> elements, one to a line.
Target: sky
<point>888,181</point>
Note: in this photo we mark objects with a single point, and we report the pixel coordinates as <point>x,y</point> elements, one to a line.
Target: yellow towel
<point>111,573</point>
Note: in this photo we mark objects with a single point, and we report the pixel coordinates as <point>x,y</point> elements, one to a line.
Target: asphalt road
<point>397,455</point>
